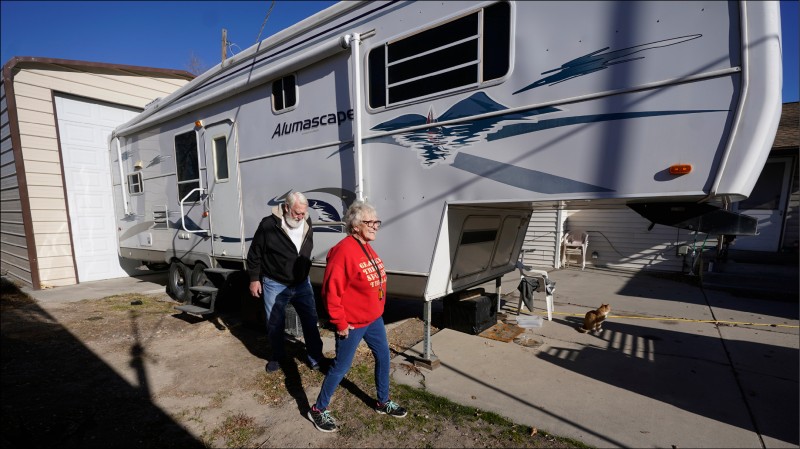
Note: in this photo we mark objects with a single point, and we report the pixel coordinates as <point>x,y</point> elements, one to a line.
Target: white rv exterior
<point>455,120</point>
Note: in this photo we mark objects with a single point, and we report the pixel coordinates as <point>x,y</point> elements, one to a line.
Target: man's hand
<point>255,288</point>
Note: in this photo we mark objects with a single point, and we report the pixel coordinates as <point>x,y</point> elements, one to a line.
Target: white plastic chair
<point>574,243</point>
<point>546,285</point>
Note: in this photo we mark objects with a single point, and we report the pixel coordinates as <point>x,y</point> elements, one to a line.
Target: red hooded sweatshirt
<point>351,286</point>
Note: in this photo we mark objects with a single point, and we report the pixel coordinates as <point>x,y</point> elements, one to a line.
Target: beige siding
<point>48,215</point>
<point>45,192</point>
<point>35,154</point>
<point>622,240</point>
<point>46,203</point>
<point>54,250</point>
<point>541,238</point>
<point>23,90</point>
<point>791,235</point>
<point>39,179</point>
<point>13,240</point>
<point>50,227</point>
<point>35,129</point>
<point>52,277</point>
<point>34,88</point>
<point>79,84</point>
<point>13,247</point>
<point>28,116</point>
<point>38,142</point>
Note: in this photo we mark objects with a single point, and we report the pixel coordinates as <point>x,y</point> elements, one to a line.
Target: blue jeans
<point>301,296</point>
<point>375,336</point>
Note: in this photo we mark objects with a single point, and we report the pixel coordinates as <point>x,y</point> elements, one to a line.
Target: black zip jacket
<point>273,254</point>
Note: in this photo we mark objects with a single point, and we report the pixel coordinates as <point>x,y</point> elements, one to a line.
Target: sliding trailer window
<point>284,93</point>
<point>135,183</point>
<point>464,52</point>
<point>187,166</point>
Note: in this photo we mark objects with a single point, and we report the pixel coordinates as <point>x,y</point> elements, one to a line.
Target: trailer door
<point>224,200</point>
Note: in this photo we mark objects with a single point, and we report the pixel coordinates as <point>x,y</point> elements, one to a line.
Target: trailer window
<point>187,167</point>
<point>464,52</point>
<point>135,183</point>
<point>284,93</point>
<point>220,149</point>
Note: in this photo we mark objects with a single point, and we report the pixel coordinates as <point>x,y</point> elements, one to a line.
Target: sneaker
<point>392,409</point>
<point>273,365</point>
<point>322,420</point>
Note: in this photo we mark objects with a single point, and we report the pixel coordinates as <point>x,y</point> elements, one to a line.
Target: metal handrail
<point>183,214</point>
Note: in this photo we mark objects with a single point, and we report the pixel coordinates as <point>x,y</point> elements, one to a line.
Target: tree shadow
<point>58,393</point>
<point>675,368</point>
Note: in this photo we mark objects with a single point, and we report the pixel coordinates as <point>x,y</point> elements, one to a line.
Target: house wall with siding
<point>787,143</point>
<point>14,261</point>
<point>541,239</point>
<point>791,234</point>
<point>34,86</point>
<point>623,241</point>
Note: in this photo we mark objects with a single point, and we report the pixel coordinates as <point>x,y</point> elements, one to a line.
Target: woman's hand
<point>345,332</point>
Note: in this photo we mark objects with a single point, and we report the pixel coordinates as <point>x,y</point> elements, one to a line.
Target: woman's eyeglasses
<point>372,223</point>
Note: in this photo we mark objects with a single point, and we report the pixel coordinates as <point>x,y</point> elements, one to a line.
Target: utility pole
<point>224,44</point>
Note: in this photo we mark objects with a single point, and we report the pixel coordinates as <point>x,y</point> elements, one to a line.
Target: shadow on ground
<point>58,393</point>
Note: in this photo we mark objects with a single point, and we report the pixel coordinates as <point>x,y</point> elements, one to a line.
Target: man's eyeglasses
<point>373,223</point>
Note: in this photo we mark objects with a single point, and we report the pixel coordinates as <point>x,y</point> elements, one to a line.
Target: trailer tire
<point>199,275</point>
<point>178,281</point>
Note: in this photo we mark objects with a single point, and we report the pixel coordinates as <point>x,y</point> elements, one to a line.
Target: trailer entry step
<point>194,310</point>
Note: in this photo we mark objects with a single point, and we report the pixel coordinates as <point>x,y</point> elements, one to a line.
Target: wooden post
<point>224,44</point>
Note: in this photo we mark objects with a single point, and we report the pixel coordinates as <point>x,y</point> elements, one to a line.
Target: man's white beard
<point>292,223</point>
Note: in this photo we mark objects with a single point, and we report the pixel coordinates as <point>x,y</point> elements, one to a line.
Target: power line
<point>265,21</point>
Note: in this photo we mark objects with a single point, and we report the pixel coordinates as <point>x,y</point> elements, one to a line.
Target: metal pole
<point>355,42</point>
<point>428,360</point>
<point>498,286</point>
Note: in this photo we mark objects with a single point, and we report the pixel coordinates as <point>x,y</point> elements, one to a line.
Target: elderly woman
<point>354,288</point>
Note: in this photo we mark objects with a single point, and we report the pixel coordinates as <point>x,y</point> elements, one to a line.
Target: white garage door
<point>84,127</point>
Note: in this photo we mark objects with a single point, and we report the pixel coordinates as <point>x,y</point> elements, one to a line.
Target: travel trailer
<point>456,120</point>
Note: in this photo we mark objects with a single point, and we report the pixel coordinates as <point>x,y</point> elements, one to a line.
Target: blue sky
<point>167,34</point>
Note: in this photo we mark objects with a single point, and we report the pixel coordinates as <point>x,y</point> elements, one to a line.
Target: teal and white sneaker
<point>323,420</point>
<point>391,408</point>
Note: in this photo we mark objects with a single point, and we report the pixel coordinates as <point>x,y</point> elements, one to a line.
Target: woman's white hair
<point>355,213</point>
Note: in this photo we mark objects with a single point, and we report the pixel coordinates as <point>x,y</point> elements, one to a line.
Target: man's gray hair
<point>355,213</point>
<point>296,198</point>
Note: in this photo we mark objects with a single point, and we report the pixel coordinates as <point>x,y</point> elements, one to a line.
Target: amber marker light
<point>198,123</point>
<point>205,214</point>
<point>680,169</point>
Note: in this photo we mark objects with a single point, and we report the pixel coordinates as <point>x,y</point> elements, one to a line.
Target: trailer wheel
<point>178,281</point>
<point>199,275</point>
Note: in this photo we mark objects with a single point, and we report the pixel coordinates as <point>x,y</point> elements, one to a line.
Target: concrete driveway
<point>674,366</point>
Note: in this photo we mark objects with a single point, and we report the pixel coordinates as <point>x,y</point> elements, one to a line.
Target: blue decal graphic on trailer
<point>435,144</point>
<point>597,61</point>
<point>324,205</point>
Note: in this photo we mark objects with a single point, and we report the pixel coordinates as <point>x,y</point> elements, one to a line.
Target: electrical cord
<point>686,320</point>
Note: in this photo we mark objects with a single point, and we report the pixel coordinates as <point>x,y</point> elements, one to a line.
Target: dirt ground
<point>129,371</point>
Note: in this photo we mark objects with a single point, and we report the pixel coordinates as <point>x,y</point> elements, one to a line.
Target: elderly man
<point>278,264</point>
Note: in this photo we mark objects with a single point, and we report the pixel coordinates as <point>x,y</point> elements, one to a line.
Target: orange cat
<point>594,318</point>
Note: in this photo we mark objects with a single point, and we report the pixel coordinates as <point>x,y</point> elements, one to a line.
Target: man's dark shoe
<point>322,420</point>
<point>322,365</point>
<point>391,408</point>
<point>273,365</point>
